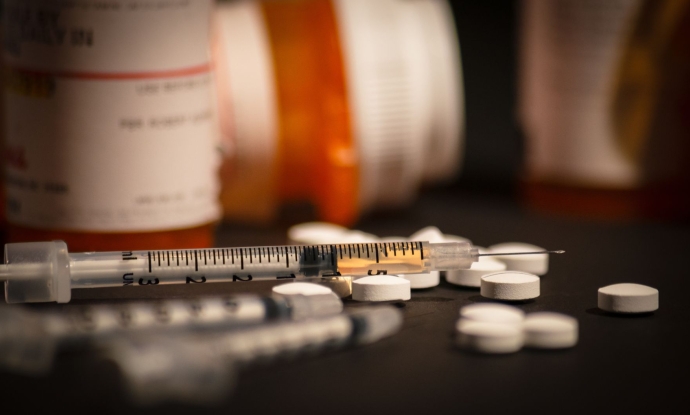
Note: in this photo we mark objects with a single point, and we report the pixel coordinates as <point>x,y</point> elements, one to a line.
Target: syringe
<point>199,369</point>
<point>29,339</point>
<point>46,271</point>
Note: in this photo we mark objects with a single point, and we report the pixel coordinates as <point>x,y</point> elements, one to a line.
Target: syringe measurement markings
<point>395,251</point>
<point>341,251</point>
<point>404,245</point>
<point>149,261</point>
<point>196,261</point>
<point>332,256</point>
<point>214,257</point>
<point>159,258</point>
<point>385,249</point>
<point>412,248</point>
<point>205,260</point>
<point>349,250</point>
<point>377,253</point>
<point>287,258</point>
<point>168,252</point>
<point>421,250</point>
<point>241,259</point>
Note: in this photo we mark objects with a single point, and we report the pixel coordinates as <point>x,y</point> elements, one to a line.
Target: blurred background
<point>268,113</point>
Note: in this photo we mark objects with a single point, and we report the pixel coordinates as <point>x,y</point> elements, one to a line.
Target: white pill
<point>430,234</point>
<point>341,286</point>
<point>381,288</point>
<point>546,330</point>
<point>510,285</point>
<point>628,298</point>
<point>455,238</point>
<point>472,277</point>
<point>315,233</point>
<point>353,237</point>
<point>492,313</point>
<point>485,337</point>
<point>537,264</point>
<point>301,288</point>
<point>426,280</point>
<point>393,239</point>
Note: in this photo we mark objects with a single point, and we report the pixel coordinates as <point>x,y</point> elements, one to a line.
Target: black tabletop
<point>622,364</point>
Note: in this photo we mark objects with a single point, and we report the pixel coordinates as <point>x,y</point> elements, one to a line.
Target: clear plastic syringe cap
<point>37,272</point>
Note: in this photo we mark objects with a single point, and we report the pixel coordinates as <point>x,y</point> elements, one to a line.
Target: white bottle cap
<point>389,90</point>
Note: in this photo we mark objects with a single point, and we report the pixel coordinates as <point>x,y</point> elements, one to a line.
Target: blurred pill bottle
<point>349,105</point>
<point>605,107</point>
<point>110,128</point>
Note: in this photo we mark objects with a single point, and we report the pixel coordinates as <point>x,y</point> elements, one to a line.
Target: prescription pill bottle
<point>604,105</point>
<point>110,123</point>
<point>350,105</point>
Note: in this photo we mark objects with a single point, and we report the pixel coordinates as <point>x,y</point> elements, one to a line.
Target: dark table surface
<point>622,364</point>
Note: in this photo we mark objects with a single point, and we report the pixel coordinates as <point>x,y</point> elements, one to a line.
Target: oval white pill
<point>546,330</point>
<point>341,286</point>
<point>628,298</point>
<point>427,280</point>
<point>301,288</point>
<point>315,233</point>
<point>381,288</point>
<point>430,234</point>
<point>356,236</point>
<point>492,313</point>
<point>510,285</point>
<point>485,337</point>
<point>472,277</point>
<point>455,238</point>
<point>537,264</point>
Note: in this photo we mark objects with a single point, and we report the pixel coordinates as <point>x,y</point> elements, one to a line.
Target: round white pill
<point>341,286</point>
<point>628,298</point>
<point>381,288</point>
<point>430,234</point>
<point>472,277</point>
<point>546,330</point>
<point>420,281</point>
<point>301,288</point>
<point>492,313</point>
<point>510,285</point>
<point>537,264</point>
<point>315,233</point>
<point>486,337</point>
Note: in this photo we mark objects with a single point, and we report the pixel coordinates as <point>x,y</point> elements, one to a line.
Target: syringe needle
<point>523,253</point>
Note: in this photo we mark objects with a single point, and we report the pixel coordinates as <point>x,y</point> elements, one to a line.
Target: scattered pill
<point>420,281</point>
<point>547,330</point>
<point>628,298</point>
<point>381,288</point>
<point>472,277</point>
<point>341,286</point>
<point>301,288</point>
<point>455,238</point>
<point>430,279</point>
<point>430,234</point>
<point>492,313</point>
<point>356,236</point>
<point>315,233</point>
<point>486,337</point>
<point>510,285</point>
<point>537,264</point>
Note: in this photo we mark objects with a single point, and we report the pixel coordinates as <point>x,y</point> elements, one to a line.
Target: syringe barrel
<point>452,256</point>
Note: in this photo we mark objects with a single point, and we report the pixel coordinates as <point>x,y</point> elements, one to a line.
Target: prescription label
<point>115,128</point>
